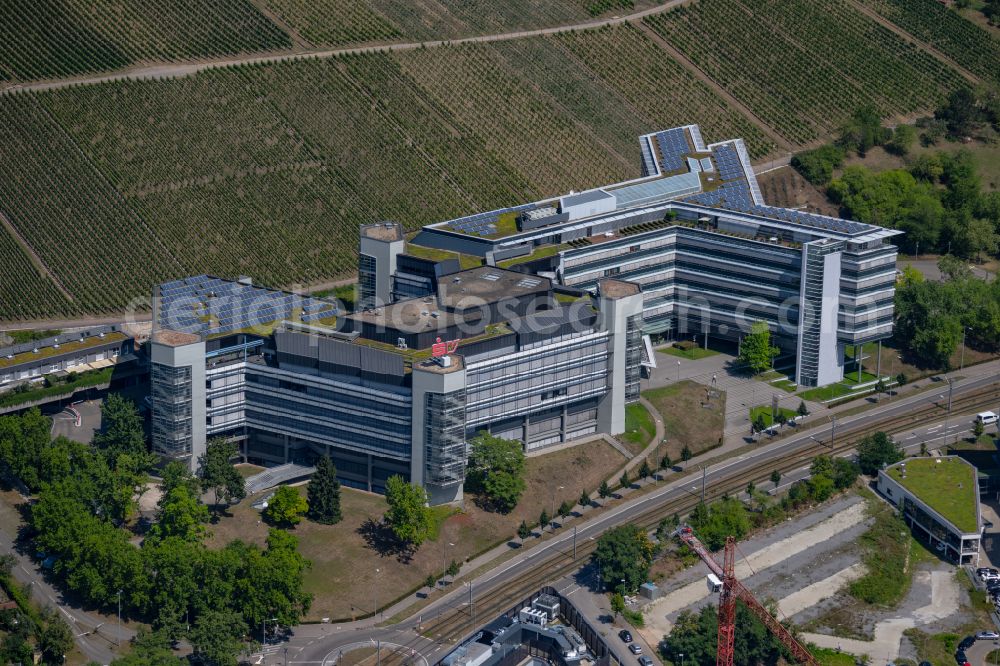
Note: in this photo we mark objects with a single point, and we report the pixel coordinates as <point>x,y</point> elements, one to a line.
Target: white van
<point>986,418</point>
<point>714,584</point>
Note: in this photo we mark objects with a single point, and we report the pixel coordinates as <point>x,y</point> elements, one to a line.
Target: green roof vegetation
<point>567,299</point>
<point>466,261</point>
<point>948,487</point>
<point>64,348</point>
<point>539,253</point>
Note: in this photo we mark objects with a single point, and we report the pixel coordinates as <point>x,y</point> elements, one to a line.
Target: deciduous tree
<point>215,468</point>
<point>285,507</point>
<point>756,350</point>
<point>624,552</point>
<point>408,515</point>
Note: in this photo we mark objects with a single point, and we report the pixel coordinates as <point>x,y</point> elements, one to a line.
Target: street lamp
<point>678,370</point>
<point>118,638</point>
<point>375,593</point>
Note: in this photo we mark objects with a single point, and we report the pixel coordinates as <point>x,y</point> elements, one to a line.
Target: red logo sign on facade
<point>441,348</point>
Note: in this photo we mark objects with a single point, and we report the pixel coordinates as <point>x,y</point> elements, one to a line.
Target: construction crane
<point>733,589</point>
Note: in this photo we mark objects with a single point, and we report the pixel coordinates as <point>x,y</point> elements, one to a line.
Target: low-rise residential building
<point>77,351</point>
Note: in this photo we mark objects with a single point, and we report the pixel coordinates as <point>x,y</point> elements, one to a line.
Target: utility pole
<point>574,543</point>
<point>375,595</point>
<point>951,385</point>
<point>961,364</point>
<point>833,429</point>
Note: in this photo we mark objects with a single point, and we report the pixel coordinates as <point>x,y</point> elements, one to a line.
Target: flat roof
<point>383,231</point>
<point>682,169</point>
<point>414,315</point>
<point>174,338</point>
<point>612,288</point>
<point>946,484</point>
<point>206,305</point>
<point>487,284</point>
<point>67,347</point>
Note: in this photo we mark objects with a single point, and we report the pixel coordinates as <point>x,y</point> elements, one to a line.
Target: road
<point>320,644</point>
<point>95,645</point>
<point>172,70</point>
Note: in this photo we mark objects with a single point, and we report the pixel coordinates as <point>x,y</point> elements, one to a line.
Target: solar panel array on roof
<point>728,160</point>
<point>484,224</point>
<point>206,305</point>
<point>673,147</point>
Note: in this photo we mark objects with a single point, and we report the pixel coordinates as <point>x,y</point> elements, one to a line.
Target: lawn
<point>692,354</point>
<point>948,487</point>
<point>765,412</point>
<point>829,392</point>
<point>348,575</point>
<point>249,470</point>
<point>690,418</point>
<point>786,385</point>
<point>828,657</point>
<point>639,428</point>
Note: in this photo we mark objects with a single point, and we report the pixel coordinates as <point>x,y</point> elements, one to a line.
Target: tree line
<point>85,500</point>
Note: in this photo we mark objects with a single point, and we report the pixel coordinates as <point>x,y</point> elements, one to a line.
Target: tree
<point>624,552</point>
<point>285,507</point>
<point>496,469</point>
<point>453,568</point>
<point>723,518</point>
<point>817,165</point>
<point>644,470</point>
<point>430,581</point>
<point>756,351</point>
<point>617,604</point>
<point>694,636</point>
<point>903,138</point>
<point>981,236</point>
<point>181,514</point>
<point>323,493</point>
<point>543,519</point>
<point>863,131</point>
<point>217,472</point>
<point>523,531</point>
<point>565,509</point>
<point>978,429</point>
<point>666,462</point>
<point>149,648</point>
<point>408,515</point>
<point>751,488</point>
<point>217,636</point>
<point>121,429</point>
<point>775,478</point>
<point>604,491</point>
<point>55,639</point>
<point>584,498</point>
<point>802,410</point>
<point>875,450</point>
<point>686,454</point>
<point>624,481</point>
<point>959,113</point>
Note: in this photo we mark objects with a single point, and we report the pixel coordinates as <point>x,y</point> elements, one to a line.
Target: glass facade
<point>366,281</point>
<point>444,438</point>
<point>171,410</point>
<point>633,357</point>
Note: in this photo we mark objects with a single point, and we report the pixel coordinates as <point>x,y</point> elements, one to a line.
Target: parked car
<point>635,648</point>
<point>987,636</point>
<point>983,572</point>
<point>960,658</point>
<point>966,643</point>
<point>625,635</point>
<point>645,661</point>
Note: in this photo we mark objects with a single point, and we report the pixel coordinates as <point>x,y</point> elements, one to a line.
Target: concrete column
<point>618,301</point>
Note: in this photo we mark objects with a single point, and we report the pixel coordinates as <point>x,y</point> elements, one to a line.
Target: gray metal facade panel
<point>380,362</point>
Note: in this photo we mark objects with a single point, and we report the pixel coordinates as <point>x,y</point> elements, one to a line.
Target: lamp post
<point>118,638</point>
<point>375,593</point>
<point>678,370</point>
<point>961,364</point>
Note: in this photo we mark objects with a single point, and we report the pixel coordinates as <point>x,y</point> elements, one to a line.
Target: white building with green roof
<point>939,499</point>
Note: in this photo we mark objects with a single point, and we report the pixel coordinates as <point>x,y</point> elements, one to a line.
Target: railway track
<point>457,619</point>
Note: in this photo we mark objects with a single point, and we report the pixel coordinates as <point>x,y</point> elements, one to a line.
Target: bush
<point>817,165</point>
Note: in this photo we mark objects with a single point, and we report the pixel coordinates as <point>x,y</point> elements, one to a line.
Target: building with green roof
<point>939,498</point>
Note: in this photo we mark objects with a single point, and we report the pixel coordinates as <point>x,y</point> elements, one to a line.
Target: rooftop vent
<point>35,350</point>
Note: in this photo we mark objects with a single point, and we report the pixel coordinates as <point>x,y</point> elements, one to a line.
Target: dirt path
<point>36,261</point>
<point>657,624</point>
<point>923,46</point>
<point>172,70</point>
<point>811,595</point>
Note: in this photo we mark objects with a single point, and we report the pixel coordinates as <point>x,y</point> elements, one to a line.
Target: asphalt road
<point>321,644</point>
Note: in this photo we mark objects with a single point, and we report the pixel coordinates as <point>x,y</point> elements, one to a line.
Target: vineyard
<point>43,40</point>
<point>268,169</point>
<point>963,41</point>
<point>804,66</point>
<point>80,226</point>
<point>24,292</point>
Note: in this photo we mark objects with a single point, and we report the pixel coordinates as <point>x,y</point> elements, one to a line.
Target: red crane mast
<point>733,589</point>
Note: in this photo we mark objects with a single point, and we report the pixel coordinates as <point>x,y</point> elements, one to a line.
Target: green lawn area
<point>852,377</point>
<point>828,392</point>
<point>765,411</point>
<point>639,428</point>
<point>567,299</point>
<point>692,354</point>
<point>343,573</point>
<point>948,487</point>
<point>786,385</point>
<point>828,657</point>
<point>689,416</point>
